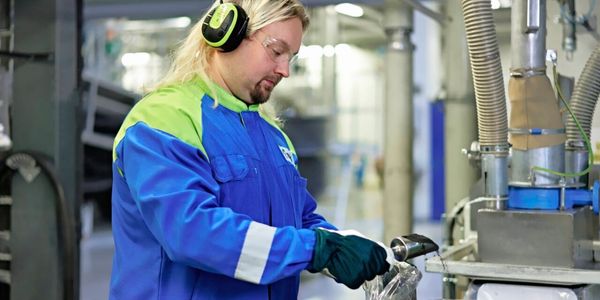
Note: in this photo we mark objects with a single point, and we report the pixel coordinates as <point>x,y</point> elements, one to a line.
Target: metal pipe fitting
<point>528,37</point>
<point>521,173</point>
<point>568,15</point>
<point>494,168</point>
<point>412,245</point>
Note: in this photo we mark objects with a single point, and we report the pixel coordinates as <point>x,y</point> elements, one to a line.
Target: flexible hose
<point>584,100</point>
<point>9,166</point>
<point>487,73</point>
<point>578,124</point>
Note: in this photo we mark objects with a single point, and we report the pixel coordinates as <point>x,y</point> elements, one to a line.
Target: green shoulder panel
<point>175,110</point>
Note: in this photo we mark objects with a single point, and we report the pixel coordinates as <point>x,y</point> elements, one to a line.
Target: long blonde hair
<point>191,59</point>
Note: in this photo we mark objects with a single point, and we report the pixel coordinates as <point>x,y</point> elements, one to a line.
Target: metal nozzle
<point>412,245</point>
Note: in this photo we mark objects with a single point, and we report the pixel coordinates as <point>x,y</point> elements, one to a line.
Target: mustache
<point>273,78</point>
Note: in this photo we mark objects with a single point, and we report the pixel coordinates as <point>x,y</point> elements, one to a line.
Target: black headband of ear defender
<point>225,26</point>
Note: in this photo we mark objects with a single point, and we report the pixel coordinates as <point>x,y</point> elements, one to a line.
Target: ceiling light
<point>311,51</point>
<point>135,59</point>
<point>328,50</point>
<point>497,4</point>
<point>349,9</point>
<point>341,49</point>
<point>181,22</point>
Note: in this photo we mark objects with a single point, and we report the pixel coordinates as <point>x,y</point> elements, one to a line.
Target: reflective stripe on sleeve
<point>255,252</point>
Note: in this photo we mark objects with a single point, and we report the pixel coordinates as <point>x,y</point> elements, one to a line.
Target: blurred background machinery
<point>40,150</point>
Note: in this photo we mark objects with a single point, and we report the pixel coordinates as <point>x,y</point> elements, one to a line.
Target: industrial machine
<point>40,150</point>
<point>530,229</point>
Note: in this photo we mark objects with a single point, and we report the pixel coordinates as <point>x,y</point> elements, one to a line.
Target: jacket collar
<point>223,97</point>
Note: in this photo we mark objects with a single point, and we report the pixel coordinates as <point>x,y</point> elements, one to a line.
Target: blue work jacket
<point>207,201</point>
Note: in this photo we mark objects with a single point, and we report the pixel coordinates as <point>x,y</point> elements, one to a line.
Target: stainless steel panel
<point>523,161</point>
<point>576,160</point>
<point>537,238</point>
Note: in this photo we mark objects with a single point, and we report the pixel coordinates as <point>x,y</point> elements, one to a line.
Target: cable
<point>585,137</point>
<point>451,219</point>
<point>8,167</point>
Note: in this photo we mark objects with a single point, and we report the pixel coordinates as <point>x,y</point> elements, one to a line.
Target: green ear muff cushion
<point>225,27</point>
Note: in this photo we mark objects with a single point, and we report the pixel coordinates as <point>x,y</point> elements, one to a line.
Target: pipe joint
<point>494,168</point>
<point>527,72</point>
<point>496,150</point>
<point>575,145</point>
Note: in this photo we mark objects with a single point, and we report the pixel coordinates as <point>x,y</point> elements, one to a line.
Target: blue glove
<point>350,259</point>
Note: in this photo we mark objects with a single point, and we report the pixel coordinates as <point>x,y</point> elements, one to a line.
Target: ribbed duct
<point>583,101</point>
<point>487,73</point>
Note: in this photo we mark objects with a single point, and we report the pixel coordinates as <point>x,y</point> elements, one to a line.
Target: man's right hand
<point>350,259</point>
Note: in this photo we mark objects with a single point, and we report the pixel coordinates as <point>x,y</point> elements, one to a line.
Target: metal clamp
<point>527,72</point>
<point>536,131</point>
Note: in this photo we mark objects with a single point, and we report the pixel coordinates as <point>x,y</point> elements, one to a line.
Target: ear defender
<point>225,26</point>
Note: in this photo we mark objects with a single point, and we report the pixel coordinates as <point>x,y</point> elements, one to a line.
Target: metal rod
<point>562,198</point>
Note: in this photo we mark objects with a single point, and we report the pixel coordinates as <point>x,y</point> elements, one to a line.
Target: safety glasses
<point>278,50</point>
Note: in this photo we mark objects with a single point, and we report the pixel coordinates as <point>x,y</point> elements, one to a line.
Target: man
<point>207,199</point>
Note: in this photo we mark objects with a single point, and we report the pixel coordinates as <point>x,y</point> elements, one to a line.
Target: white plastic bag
<point>398,284</point>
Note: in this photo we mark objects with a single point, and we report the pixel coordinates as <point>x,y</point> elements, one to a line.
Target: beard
<point>261,93</point>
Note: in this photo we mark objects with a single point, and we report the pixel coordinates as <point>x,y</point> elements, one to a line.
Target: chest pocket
<point>239,188</point>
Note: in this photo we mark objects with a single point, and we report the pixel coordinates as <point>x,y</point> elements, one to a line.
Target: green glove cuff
<point>326,243</point>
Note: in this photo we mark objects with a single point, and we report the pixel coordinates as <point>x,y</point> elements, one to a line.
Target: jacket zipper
<point>268,197</point>
<point>270,224</point>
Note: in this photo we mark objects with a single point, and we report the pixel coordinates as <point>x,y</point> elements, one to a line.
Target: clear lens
<point>279,51</point>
